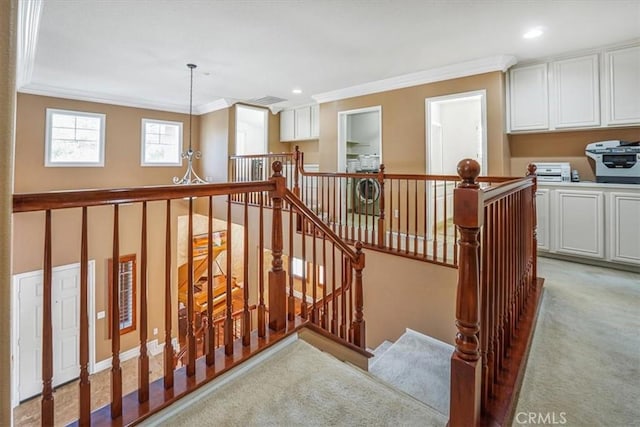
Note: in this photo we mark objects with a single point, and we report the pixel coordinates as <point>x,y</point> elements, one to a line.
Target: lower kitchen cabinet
<point>625,227</point>
<point>580,223</point>
<point>590,221</point>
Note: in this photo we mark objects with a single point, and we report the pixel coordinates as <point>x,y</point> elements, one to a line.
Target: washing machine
<point>366,195</point>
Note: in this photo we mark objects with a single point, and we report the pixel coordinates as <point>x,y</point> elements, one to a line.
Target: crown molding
<point>29,13</point>
<point>102,98</point>
<point>448,72</point>
<point>218,104</point>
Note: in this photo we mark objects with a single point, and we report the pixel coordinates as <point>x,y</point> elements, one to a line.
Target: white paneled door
<point>65,295</point>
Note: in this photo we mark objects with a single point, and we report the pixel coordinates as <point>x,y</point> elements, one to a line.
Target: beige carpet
<point>584,365</point>
<point>301,386</point>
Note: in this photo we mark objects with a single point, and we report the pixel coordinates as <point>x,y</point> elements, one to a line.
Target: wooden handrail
<point>503,189</point>
<point>324,228</point>
<point>30,202</point>
<point>261,156</point>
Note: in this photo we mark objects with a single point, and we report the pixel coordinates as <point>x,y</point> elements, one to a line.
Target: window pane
<point>74,139</point>
<point>162,143</point>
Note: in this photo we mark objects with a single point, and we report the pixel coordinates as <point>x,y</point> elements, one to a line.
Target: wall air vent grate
<point>265,100</point>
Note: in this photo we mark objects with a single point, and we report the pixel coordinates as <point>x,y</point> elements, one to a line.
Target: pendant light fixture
<point>190,176</point>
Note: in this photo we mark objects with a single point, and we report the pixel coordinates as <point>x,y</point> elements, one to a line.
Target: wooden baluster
<point>325,305</point>
<point>368,194</point>
<point>415,218</point>
<point>531,172</point>
<point>143,360</point>
<point>84,384</point>
<point>493,298</point>
<point>262,309</point>
<point>381,240</point>
<point>296,172</point>
<point>47,404</point>
<point>277,278</point>
<point>191,321</point>
<point>359,323</point>
<point>354,182</point>
<point>314,280</point>
<point>505,280</point>
<point>455,239</point>
<point>349,336</point>
<point>303,303</point>
<point>341,227</point>
<point>116,372</point>
<point>465,403</point>
<point>291,299</point>
<point>484,309</point>
<point>246,315</point>
<point>445,219</point>
<point>211,348</point>
<point>398,245</point>
<point>346,281</point>
<point>168,345</point>
<point>406,232</point>
<point>391,209</point>
<point>228,322</point>
<point>425,225</point>
<point>334,220</point>
<point>435,220</point>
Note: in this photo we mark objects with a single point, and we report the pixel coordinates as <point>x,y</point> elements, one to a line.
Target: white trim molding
<point>29,13</point>
<point>448,72</point>
<point>153,346</point>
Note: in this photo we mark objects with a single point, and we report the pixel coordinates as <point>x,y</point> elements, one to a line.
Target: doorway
<point>456,129</point>
<point>27,342</point>
<point>360,139</point>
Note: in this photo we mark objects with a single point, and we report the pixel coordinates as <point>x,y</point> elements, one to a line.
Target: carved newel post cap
<point>381,167</point>
<point>277,168</point>
<point>358,246</point>
<point>531,169</point>
<point>468,170</point>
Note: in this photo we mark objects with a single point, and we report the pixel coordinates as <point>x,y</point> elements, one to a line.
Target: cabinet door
<point>624,211</point>
<point>287,124</point>
<point>580,228</point>
<point>528,98</point>
<point>315,121</point>
<point>542,214</point>
<point>303,123</point>
<point>575,92</point>
<point>623,85</point>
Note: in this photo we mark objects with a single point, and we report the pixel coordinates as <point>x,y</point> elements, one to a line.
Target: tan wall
<point>403,124</point>
<point>8,26</point>
<point>214,143</point>
<point>563,147</point>
<point>122,169</point>
<point>122,147</point>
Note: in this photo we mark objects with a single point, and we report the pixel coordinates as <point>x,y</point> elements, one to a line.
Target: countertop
<point>591,184</point>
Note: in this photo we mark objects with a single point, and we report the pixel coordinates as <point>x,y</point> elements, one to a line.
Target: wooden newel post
<point>358,323</point>
<point>466,366</point>
<point>531,171</point>
<point>296,172</point>
<point>381,222</point>
<point>277,276</point>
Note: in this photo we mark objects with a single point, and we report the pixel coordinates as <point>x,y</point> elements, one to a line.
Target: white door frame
<point>483,111</point>
<point>342,133</point>
<point>15,305</point>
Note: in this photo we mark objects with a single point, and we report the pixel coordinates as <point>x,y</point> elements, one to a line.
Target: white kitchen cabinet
<point>528,98</point>
<point>580,222</point>
<point>299,124</point>
<point>287,125</point>
<point>542,211</point>
<point>623,85</point>
<point>315,121</point>
<point>624,209</point>
<point>575,92</point>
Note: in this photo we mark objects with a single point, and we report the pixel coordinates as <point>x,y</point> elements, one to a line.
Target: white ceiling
<point>135,52</point>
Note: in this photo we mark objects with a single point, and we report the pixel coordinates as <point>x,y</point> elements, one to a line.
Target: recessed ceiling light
<point>533,33</point>
<point>297,91</point>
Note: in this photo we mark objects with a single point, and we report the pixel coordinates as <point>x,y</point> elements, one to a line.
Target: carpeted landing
<point>418,365</point>
<point>300,385</point>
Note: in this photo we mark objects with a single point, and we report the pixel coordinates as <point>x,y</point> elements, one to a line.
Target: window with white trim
<point>126,292</point>
<point>161,143</point>
<point>74,138</point>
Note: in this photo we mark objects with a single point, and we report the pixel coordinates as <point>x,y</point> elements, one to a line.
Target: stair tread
<point>420,366</point>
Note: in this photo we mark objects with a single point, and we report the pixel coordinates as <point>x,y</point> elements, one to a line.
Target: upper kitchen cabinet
<point>299,124</point>
<point>528,98</point>
<point>575,92</point>
<point>623,85</point>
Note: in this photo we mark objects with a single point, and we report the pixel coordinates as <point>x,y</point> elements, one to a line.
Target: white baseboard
<point>153,347</point>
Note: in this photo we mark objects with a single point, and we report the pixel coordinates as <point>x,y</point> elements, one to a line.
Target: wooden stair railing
<point>336,281</point>
<point>497,298</point>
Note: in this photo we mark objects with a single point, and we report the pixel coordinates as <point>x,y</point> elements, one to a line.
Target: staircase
<point>417,365</point>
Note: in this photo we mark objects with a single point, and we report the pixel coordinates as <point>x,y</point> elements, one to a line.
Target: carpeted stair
<point>419,366</point>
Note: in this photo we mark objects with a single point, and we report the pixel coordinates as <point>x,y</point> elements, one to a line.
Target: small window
<point>126,293</point>
<point>161,143</point>
<point>74,138</point>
